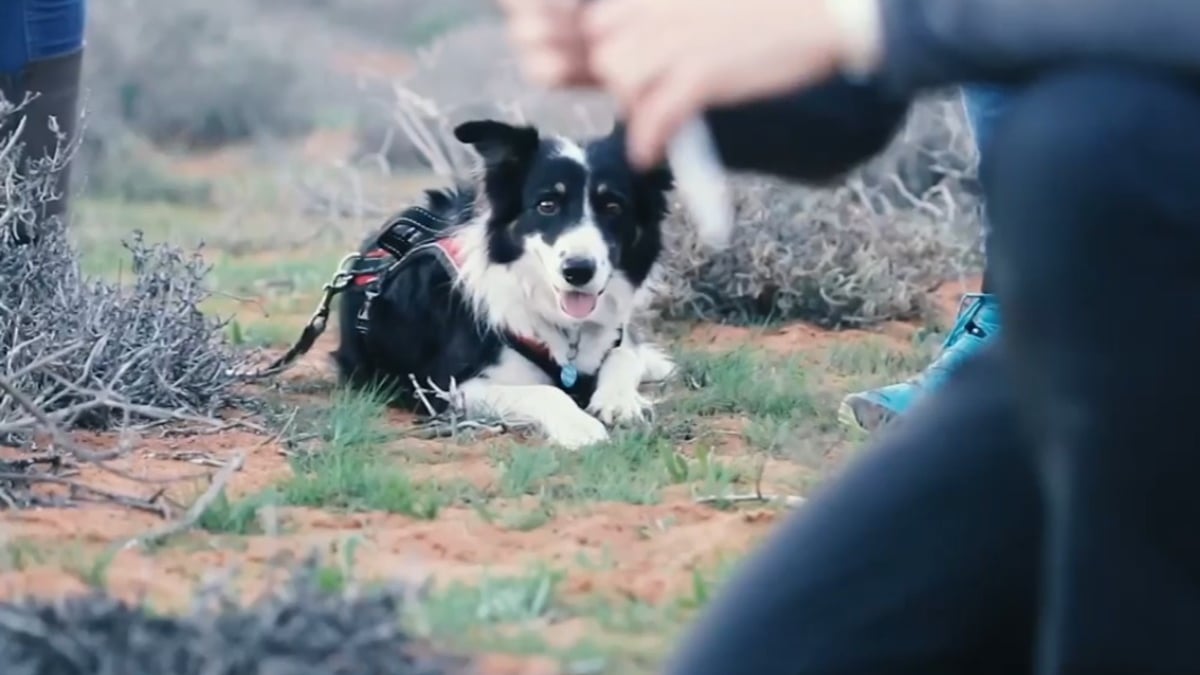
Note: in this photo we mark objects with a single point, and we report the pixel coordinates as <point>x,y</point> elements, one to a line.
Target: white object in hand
<point>700,179</point>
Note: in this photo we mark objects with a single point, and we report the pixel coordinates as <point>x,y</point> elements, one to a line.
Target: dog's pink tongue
<point>578,305</point>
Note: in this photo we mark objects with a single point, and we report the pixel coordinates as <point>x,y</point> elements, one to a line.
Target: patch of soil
<point>178,468</point>
<point>803,337</point>
<point>790,338</point>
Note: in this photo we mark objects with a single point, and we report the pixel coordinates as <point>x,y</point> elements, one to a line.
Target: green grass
<point>85,563</point>
<point>348,470</point>
<point>744,382</point>
<point>784,411</point>
<point>525,469</point>
<point>530,519</point>
<point>491,600</point>
<point>509,613</point>
<point>633,467</point>
<point>237,517</point>
<point>874,359</point>
<point>351,471</point>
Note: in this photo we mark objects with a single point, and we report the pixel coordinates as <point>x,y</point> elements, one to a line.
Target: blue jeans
<point>984,105</point>
<point>33,30</point>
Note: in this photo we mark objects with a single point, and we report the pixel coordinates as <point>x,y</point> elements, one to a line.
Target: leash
<point>317,322</point>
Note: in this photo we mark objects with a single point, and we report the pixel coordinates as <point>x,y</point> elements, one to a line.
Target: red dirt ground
<point>457,545</point>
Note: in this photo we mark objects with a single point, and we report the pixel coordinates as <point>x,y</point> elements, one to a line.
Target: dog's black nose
<point>578,271</point>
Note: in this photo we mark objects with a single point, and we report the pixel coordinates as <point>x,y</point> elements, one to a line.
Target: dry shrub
<point>89,352</point>
<point>301,629</point>
<point>866,251</point>
<point>116,164</point>
<point>406,23</point>
<point>468,73</point>
<point>201,73</point>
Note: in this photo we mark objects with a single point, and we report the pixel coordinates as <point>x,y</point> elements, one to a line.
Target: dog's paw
<point>612,407</point>
<point>576,431</point>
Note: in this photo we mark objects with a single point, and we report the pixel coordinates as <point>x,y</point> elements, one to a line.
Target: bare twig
<point>196,511</point>
<point>150,505</point>
<point>789,501</point>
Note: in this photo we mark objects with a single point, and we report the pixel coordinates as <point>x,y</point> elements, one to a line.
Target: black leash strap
<point>320,318</point>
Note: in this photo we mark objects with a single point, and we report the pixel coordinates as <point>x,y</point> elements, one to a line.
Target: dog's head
<point>575,216</point>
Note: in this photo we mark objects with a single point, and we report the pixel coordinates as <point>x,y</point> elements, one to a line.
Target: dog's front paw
<point>612,406</point>
<point>576,431</point>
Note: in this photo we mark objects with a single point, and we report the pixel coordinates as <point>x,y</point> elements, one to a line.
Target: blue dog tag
<point>569,375</point>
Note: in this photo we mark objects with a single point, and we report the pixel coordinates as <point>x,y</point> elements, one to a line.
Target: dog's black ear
<point>659,177</point>
<point>498,142</point>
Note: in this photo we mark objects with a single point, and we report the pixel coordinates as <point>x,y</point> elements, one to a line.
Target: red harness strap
<point>365,279</point>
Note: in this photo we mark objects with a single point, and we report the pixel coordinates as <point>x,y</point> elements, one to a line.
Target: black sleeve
<point>933,43</point>
<point>815,135</point>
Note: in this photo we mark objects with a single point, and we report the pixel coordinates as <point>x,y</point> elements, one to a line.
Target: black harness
<point>414,232</point>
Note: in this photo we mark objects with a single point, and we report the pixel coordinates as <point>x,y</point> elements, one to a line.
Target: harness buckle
<point>344,275</point>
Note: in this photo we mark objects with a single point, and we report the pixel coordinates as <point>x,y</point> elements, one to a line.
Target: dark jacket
<point>929,43</point>
<point>817,134</point>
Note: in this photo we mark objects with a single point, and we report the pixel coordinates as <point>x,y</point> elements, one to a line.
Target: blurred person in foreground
<point>1036,512</point>
<point>41,55</point>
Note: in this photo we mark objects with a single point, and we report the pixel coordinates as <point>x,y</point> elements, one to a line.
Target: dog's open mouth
<point>577,305</point>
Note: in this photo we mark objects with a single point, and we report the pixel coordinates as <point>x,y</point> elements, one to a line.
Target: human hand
<point>667,60</point>
<point>548,38</point>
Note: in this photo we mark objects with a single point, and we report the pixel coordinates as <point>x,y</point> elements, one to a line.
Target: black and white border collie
<point>545,260</point>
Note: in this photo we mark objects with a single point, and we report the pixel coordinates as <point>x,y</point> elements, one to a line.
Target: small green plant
<point>21,554</point>
<point>743,381</point>
<point>351,472</point>
<point>238,517</point>
<point>460,608</point>
<point>532,519</point>
<point>526,469</point>
<point>874,359</point>
<point>627,468</point>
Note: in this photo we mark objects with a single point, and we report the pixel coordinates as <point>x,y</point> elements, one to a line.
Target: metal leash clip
<point>341,279</point>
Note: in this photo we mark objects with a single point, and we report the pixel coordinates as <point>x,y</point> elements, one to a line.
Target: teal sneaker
<point>978,322</point>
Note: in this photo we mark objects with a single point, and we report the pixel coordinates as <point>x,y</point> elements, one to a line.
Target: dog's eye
<point>547,207</point>
<point>613,208</point>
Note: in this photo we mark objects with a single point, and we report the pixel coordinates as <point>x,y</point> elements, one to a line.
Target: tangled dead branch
<point>88,352</point>
<point>299,630</point>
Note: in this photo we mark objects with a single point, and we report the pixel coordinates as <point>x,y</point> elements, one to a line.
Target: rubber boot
<point>56,82</point>
<point>978,323</point>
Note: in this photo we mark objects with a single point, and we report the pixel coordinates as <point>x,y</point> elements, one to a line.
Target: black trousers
<point>1040,513</point>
